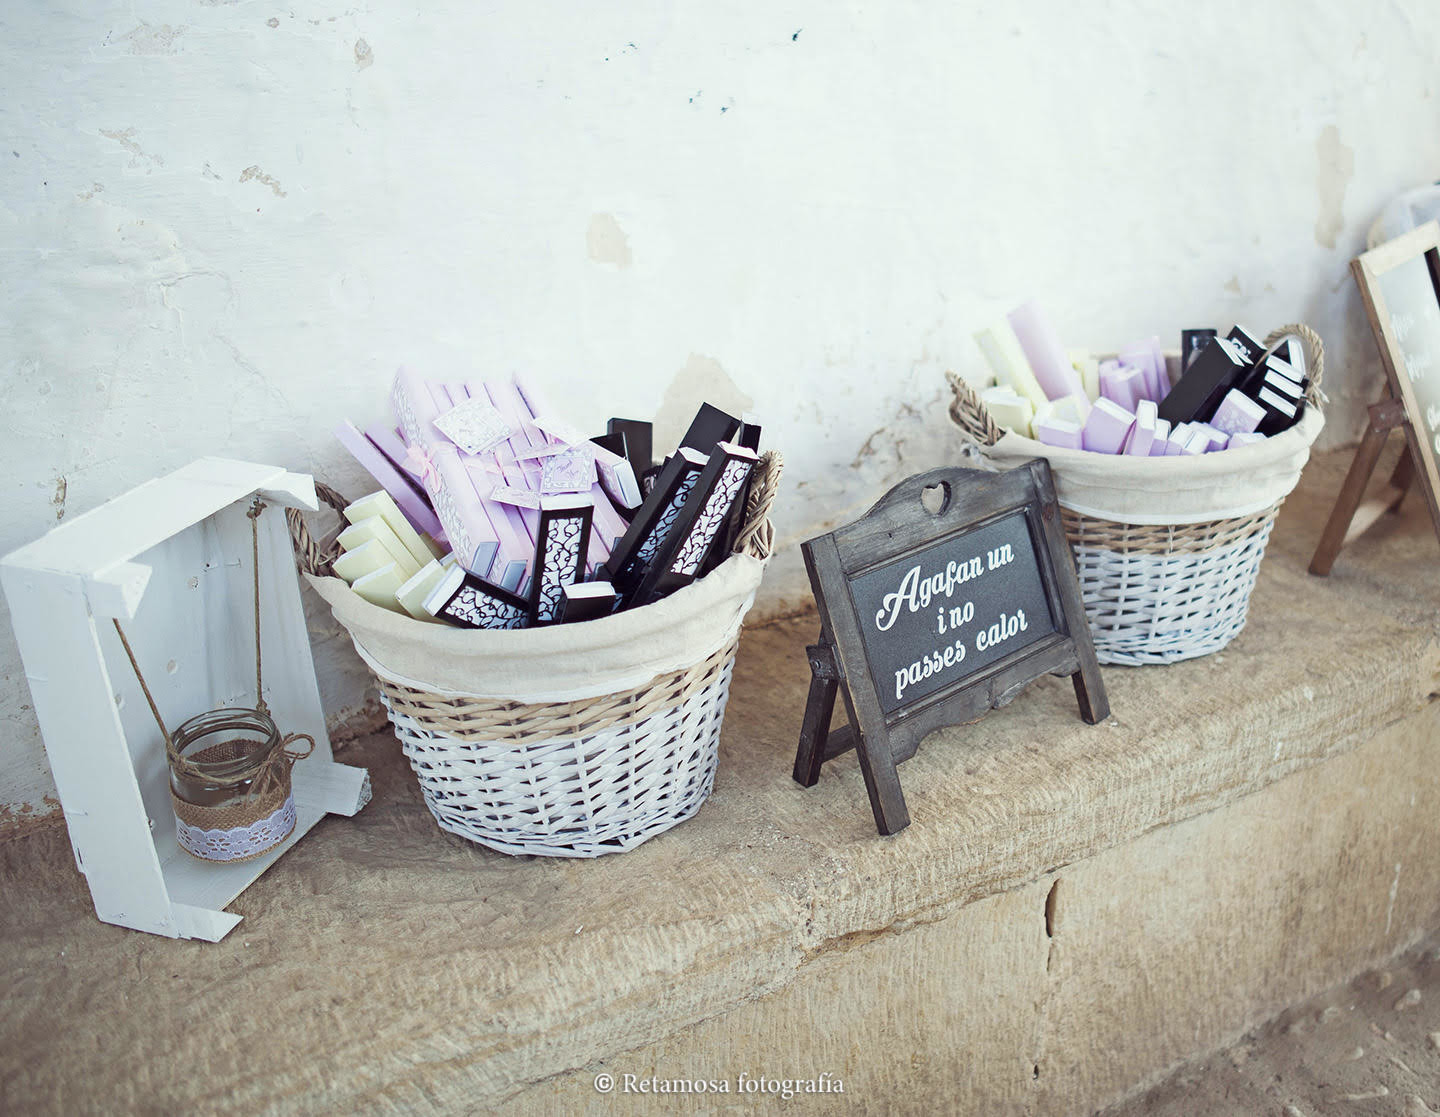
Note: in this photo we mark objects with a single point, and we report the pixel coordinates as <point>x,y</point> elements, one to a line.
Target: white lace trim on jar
<point>241,841</point>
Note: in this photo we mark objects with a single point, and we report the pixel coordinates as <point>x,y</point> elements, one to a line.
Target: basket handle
<point>1314,356</point>
<point>757,533</point>
<point>756,537</point>
<point>970,415</point>
<point>312,556</point>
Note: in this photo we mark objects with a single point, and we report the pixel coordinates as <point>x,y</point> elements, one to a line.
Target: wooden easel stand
<point>1353,515</point>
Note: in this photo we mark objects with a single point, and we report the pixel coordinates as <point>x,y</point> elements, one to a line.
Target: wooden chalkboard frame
<point>1352,514</point>
<point>901,524</point>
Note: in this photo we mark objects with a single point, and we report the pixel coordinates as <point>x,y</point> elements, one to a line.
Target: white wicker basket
<point>577,778</point>
<point>1157,591</point>
<point>1155,594</point>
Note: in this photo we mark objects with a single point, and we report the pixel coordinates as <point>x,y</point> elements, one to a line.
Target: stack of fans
<point>1230,391</point>
<point>496,513</point>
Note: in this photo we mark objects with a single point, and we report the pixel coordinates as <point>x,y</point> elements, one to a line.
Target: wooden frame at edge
<point>1369,268</point>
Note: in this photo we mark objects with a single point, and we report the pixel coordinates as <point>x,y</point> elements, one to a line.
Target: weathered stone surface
<point>1173,943</point>
<point>1350,1050</point>
<point>1178,942</point>
<point>385,966</point>
<point>936,1017</point>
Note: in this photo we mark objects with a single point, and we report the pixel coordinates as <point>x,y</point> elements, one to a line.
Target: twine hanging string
<point>154,709</point>
<point>256,507</point>
<point>280,759</point>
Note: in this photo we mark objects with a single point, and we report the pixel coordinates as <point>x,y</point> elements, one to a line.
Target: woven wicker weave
<point>570,779</point>
<point>1159,593</point>
<point>574,779</point>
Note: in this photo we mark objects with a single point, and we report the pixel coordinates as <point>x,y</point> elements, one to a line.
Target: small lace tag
<point>520,498</point>
<point>549,450</point>
<point>475,426</point>
<point>572,471</point>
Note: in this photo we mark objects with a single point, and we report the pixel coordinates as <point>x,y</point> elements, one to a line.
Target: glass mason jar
<point>224,752</point>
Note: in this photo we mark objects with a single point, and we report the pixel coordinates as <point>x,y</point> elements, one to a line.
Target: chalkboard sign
<point>943,613</point>
<point>1400,284</point>
<point>945,600</point>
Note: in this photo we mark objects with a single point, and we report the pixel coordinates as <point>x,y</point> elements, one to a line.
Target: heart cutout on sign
<point>935,498</point>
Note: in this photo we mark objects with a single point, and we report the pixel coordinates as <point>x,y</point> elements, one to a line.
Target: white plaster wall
<point>223,223</point>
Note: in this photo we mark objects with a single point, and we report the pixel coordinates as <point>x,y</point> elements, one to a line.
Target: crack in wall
<point>1051,915</point>
<point>842,944</point>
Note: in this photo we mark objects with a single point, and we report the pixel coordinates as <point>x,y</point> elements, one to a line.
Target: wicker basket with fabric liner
<point>572,740</point>
<point>1167,548</point>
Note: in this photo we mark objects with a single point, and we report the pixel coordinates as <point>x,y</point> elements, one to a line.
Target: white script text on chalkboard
<point>917,591</point>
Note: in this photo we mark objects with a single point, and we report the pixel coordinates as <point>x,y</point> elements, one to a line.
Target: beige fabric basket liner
<point>554,664</point>
<point>1178,490</point>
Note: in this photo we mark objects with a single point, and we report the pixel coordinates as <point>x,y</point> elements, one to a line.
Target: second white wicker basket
<point>1167,551</point>
<point>578,776</point>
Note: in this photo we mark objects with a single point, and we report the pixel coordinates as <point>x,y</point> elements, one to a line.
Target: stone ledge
<point>383,959</point>
<point>1067,993</point>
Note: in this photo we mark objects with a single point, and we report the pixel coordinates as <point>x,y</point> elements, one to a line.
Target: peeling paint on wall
<point>702,380</point>
<point>260,176</point>
<point>606,241</point>
<point>884,452</point>
<point>26,818</point>
<point>125,137</point>
<point>1335,167</point>
<point>147,40</point>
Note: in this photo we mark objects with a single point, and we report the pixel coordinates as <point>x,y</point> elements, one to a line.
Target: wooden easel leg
<point>882,783</point>
<point>814,730</point>
<point>1333,537</point>
<point>877,764</point>
<point>1087,685</point>
<point>1403,476</point>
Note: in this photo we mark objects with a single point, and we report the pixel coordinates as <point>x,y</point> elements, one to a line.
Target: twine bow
<point>277,765</point>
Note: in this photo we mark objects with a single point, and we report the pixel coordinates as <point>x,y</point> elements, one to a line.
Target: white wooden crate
<point>171,559</point>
